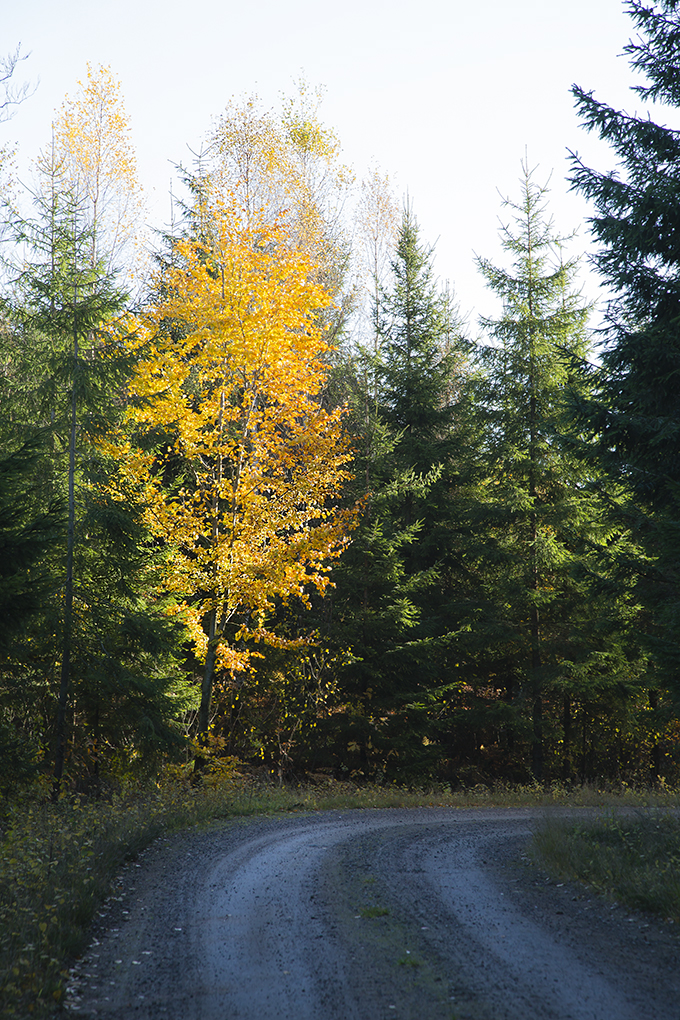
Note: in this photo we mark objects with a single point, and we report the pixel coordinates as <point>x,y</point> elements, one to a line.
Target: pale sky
<point>443,95</point>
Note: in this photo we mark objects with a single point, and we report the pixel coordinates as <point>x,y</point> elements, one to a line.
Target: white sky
<point>443,95</point>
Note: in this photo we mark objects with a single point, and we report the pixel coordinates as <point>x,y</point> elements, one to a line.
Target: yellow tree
<point>97,165</point>
<point>243,482</point>
<point>286,167</point>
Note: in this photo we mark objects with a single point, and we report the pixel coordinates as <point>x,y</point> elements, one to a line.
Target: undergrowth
<point>632,858</point>
<point>58,861</point>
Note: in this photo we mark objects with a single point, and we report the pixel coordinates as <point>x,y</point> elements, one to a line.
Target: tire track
<point>365,915</point>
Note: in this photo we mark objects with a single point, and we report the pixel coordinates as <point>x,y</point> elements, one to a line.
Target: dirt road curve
<point>419,914</point>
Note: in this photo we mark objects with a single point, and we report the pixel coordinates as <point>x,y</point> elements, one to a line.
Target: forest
<point>265,497</point>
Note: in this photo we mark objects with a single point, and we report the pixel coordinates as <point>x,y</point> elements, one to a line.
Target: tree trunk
<point>60,749</point>
<point>566,745</point>
<point>537,710</point>
<point>208,673</point>
<point>655,755</point>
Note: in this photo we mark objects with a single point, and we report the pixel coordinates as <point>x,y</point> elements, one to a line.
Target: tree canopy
<point>266,497</point>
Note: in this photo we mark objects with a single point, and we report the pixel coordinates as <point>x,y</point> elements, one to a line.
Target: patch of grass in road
<point>409,961</point>
<point>386,941</point>
<point>634,859</point>
<point>420,983</point>
<point>374,911</point>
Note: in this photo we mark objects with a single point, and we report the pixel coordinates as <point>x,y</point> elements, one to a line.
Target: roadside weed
<point>633,858</point>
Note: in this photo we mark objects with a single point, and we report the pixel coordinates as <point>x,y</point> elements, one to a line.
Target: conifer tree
<point>533,508</point>
<point>115,646</point>
<point>633,413</point>
<point>387,603</point>
<point>422,381</point>
<point>101,638</point>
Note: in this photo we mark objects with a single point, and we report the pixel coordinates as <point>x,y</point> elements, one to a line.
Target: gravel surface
<point>364,915</point>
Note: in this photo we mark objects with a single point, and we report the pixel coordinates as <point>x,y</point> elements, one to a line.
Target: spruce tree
<point>633,414</point>
<point>418,337</point>
<point>533,514</point>
<point>101,647</point>
<point>422,389</point>
<point>388,603</point>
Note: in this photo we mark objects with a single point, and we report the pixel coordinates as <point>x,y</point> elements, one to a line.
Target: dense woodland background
<point>264,495</point>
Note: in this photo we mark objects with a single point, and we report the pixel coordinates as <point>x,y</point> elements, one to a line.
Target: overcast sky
<point>443,95</point>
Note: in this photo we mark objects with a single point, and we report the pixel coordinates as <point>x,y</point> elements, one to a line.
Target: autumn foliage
<point>176,490</point>
<point>242,483</point>
<point>92,156</point>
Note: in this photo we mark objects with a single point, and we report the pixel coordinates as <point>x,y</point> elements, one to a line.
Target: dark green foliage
<point>386,608</point>
<point>19,758</point>
<point>27,530</point>
<point>94,671</point>
<point>376,615</point>
<point>637,223</point>
<point>539,633</point>
<point>633,410</point>
<point>128,692</point>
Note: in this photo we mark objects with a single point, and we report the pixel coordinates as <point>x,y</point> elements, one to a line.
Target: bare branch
<point>14,94</point>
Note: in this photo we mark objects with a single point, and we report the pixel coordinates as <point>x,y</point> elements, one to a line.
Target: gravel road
<point>364,915</point>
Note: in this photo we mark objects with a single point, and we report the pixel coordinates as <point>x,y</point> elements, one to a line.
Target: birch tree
<point>242,481</point>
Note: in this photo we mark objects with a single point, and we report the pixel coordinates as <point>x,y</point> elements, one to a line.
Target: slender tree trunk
<point>363,742</point>
<point>537,745</point>
<point>60,750</point>
<point>534,622</point>
<point>207,688</point>
<point>655,755</point>
<point>208,673</point>
<point>537,694</point>
<point>211,654</point>
<point>566,744</point>
<point>510,728</point>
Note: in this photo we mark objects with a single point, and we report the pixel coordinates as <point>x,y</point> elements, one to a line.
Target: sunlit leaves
<point>94,159</point>
<point>243,482</point>
<point>286,167</point>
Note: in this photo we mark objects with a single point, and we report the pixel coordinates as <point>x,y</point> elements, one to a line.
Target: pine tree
<point>420,377</point>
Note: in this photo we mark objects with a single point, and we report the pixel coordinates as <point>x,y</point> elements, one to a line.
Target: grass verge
<point>58,861</point>
<point>57,865</point>
<point>633,858</point>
